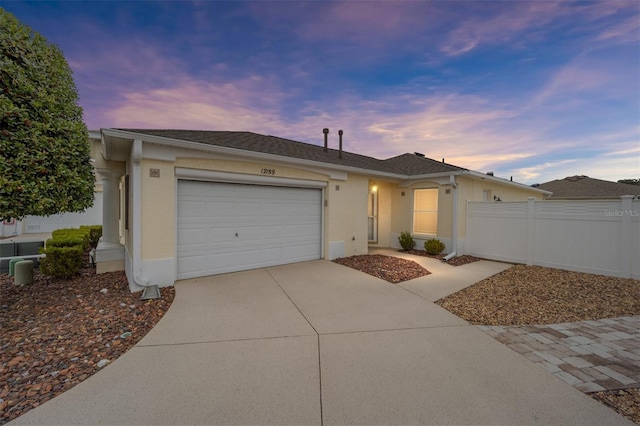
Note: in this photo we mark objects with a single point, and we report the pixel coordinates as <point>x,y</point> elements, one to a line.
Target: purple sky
<point>537,90</point>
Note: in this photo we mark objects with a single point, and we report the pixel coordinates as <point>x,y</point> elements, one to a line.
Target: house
<point>586,188</point>
<point>180,204</point>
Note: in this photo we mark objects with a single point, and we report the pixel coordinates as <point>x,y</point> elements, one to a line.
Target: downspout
<point>454,230</point>
<point>136,155</point>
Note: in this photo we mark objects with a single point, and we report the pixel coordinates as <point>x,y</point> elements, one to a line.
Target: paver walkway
<point>589,355</point>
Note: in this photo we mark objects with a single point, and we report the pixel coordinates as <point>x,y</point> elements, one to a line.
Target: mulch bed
<point>56,333</point>
<point>388,268</point>
<point>456,261</point>
<point>524,295</point>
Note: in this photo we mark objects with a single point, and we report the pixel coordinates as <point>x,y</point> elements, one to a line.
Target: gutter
<point>454,230</point>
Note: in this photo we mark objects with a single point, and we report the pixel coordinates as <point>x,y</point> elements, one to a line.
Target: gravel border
<point>57,333</point>
<point>388,268</point>
<point>527,295</point>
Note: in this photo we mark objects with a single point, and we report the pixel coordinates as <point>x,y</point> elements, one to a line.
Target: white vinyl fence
<point>599,237</point>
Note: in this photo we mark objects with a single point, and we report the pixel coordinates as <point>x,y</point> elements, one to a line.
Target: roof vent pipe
<point>443,159</point>
<point>340,132</point>
<point>326,132</point>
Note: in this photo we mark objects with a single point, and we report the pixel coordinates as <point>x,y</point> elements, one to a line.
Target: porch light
<point>374,188</point>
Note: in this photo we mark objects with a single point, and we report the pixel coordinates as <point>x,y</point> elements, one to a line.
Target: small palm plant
<point>406,241</point>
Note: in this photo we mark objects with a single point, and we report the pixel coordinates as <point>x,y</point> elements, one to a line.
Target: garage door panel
<point>220,209</point>
<point>187,209</point>
<point>189,237</point>
<point>220,236</point>
<point>300,252</point>
<point>275,225</point>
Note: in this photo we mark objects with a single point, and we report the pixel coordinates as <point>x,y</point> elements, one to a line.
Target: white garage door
<point>226,227</point>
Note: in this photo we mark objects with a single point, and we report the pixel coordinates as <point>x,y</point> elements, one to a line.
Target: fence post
<point>627,237</point>
<point>530,229</point>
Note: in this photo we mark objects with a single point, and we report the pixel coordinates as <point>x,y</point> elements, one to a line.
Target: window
<point>425,211</point>
<point>373,216</point>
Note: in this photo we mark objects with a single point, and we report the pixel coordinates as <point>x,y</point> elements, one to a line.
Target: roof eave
<point>484,176</point>
<point>217,149</point>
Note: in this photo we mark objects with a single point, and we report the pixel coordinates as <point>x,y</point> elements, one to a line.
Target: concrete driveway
<point>319,343</point>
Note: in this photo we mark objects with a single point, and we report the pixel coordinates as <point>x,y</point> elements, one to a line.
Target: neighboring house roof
<point>586,187</point>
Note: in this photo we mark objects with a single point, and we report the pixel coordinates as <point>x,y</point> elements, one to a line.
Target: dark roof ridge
<point>428,159</point>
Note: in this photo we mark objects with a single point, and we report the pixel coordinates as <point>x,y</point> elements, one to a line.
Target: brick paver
<point>589,355</point>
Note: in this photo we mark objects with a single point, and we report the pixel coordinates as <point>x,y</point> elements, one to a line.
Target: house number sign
<point>269,172</point>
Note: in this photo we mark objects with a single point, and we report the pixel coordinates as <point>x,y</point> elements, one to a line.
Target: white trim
<point>483,176</point>
<point>226,177</point>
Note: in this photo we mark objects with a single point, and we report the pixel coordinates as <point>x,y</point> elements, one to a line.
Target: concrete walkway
<point>319,343</point>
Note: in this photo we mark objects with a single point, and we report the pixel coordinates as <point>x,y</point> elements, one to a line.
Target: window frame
<point>414,211</point>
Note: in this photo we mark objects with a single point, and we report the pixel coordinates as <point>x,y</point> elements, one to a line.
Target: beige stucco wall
<point>158,210</point>
<point>248,167</point>
<point>159,197</point>
<point>346,214</point>
<point>401,206</point>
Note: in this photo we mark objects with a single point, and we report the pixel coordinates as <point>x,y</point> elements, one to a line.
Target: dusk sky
<point>537,90</point>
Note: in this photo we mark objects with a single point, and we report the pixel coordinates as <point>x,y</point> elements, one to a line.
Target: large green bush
<point>65,249</point>
<point>61,262</point>
<point>44,149</point>
<point>406,241</point>
<point>433,246</point>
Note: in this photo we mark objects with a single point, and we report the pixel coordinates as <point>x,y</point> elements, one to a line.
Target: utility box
<point>29,248</point>
<point>23,272</point>
<point>6,250</point>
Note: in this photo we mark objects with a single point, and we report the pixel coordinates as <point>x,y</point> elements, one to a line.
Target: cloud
<point>487,23</point>
<point>532,130</point>
<point>622,32</point>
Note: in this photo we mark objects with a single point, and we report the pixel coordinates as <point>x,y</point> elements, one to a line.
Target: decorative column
<point>110,253</point>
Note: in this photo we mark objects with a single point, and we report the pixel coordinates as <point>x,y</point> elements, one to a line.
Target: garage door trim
<point>226,177</point>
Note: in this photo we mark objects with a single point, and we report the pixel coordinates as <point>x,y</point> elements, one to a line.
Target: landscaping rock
<point>388,268</point>
<point>57,333</point>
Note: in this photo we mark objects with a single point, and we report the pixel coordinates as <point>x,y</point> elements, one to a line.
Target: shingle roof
<point>413,164</point>
<point>586,187</point>
<point>406,164</point>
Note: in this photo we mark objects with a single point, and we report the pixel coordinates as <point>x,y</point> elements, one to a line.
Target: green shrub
<point>433,246</point>
<point>66,241</point>
<point>406,241</point>
<point>81,235</point>
<point>95,232</point>
<point>65,249</point>
<point>61,262</point>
